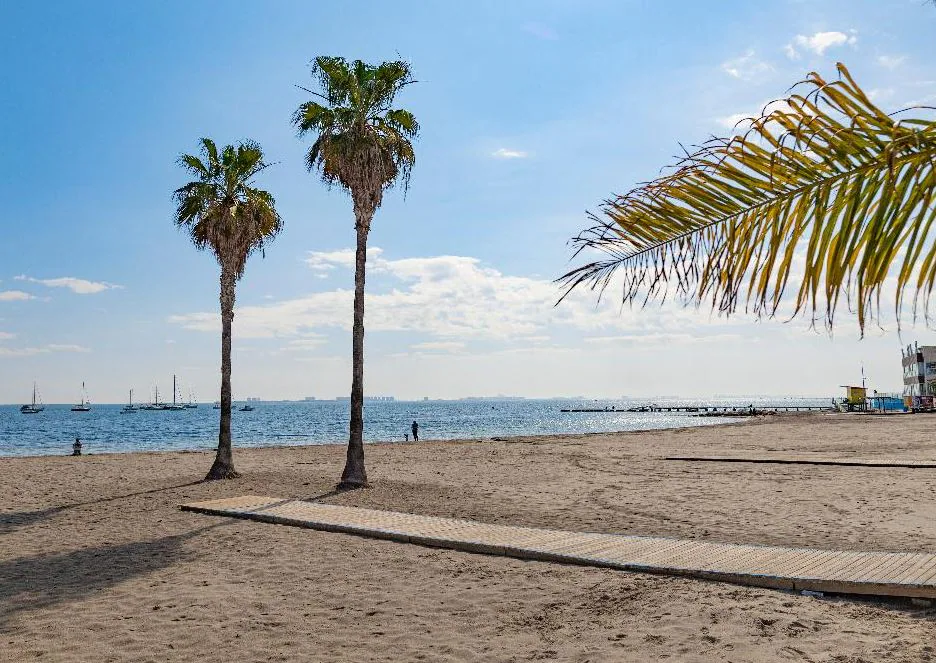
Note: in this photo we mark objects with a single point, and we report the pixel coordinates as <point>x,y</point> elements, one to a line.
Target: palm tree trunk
<point>223,467</point>
<point>354,474</point>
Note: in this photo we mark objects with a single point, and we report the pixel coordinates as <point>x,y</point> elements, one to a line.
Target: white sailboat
<point>85,404</point>
<point>129,407</point>
<point>36,406</point>
<point>176,403</point>
<point>155,405</point>
<point>192,401</point>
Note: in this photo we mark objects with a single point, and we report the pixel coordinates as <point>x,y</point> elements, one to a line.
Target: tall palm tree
<point>363,144</point>
<point>224,213</point>
<point>823,190</point>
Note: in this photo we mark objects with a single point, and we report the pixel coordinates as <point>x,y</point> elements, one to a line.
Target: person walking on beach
<point>415,432</point>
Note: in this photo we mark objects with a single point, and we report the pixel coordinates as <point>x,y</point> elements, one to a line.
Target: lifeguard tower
<point>856,399</point>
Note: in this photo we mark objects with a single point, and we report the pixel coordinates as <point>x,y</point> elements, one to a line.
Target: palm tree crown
<point>824,189</point>
<point>362,143</point>
<point>221,210</point>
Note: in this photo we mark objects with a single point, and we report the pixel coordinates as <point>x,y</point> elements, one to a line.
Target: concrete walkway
<point>835,571</point>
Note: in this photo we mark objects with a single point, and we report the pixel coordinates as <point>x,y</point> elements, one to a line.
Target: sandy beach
<point>97,563</point>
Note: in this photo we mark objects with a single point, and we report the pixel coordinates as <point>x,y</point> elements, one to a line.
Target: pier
<point>710,409</point>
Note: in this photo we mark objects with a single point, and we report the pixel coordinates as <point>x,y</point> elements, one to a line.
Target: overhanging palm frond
<point>823,186</point>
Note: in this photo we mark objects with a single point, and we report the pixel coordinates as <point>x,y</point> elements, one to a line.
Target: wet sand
<point>98,564</point>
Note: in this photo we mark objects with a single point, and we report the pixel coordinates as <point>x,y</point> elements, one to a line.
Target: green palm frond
<point>824,190</point>
<point>362,143</point>
<point>221,209</point>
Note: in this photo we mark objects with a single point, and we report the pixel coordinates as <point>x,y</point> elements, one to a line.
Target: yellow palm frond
<point>823,191</point>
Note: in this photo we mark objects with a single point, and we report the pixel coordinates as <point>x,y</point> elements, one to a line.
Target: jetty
<point>712,410</point>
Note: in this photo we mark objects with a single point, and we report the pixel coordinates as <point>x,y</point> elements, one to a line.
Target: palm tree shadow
<point>324,496</point>
<point>34,583</point>
<point>11,521</point>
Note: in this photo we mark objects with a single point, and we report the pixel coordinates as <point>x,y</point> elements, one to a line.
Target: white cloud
<point>6,336</point>
<point>56,347</point>
<point>14,296</point>
<point>661,338</point>
<point>46,349</point>
<point>733,120</point>
<point>736,121</point>
<point>891,61</point>
<point>820,42</point>
<point>439,346</point>
<point>504,153</point>
<point>746,67</point>
<point>323,261</point>
<point>309,342</point>
<point>447,298</point>
<point>78,286</point>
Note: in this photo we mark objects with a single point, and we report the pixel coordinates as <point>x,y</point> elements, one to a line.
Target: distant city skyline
<point>555,109</point>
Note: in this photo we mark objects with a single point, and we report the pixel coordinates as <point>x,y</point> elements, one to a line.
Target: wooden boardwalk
<point>806,459</point>
<point>836,571</point>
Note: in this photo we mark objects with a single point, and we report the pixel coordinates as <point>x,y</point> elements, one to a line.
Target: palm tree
<point>823,189</point>
<point>364,145</point>
<point>223,213</point>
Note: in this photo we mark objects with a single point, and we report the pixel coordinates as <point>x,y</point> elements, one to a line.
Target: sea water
<point>106,429</point>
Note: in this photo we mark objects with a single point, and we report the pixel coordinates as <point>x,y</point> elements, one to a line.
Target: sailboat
<point>129,407</point>
<point>192,403</point>
<point>155,405</point>
<point>85,404</point>
<point>36,406</point>
<point>176,403</point>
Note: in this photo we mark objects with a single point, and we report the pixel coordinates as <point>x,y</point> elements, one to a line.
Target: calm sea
<point>105,429</point>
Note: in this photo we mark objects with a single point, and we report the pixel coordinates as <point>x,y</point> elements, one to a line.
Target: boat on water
<point>175,405</point>
<point>129,407</point>
<point>155,405</point>
<point>192,402</point>
<point>217,405</point>
<point>85,404</point>
<point>247,408</point>
<point>36,406</point>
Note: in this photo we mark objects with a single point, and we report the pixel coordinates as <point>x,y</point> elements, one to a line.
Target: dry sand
<point>98,564</point>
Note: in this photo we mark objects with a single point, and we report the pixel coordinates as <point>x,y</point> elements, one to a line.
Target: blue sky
<point>532,113</point>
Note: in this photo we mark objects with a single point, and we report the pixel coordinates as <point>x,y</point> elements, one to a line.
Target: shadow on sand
<point>324,496</point>
<point>28,584</point>
<point>11,521</point>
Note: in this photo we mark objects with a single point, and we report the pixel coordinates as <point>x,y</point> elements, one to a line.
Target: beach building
<point>919,376</point>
